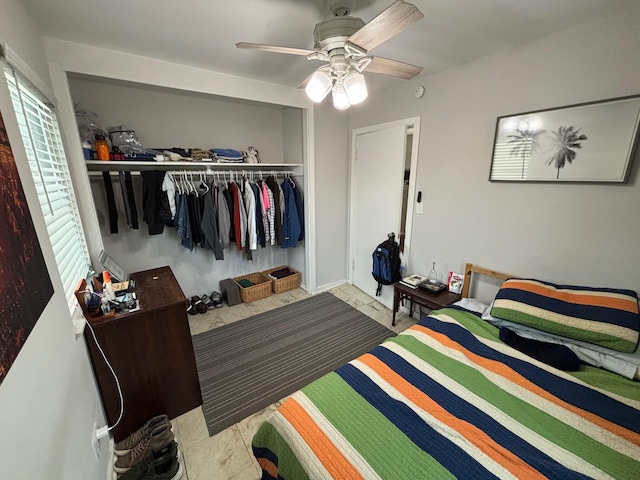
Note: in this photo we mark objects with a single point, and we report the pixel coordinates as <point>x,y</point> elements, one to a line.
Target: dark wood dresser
<point>151,352</point>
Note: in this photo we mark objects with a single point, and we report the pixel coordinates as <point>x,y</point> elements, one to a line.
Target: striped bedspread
<point>438,401</point>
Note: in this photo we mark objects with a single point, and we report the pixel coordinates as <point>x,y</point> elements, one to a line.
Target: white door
<point>377,206</point>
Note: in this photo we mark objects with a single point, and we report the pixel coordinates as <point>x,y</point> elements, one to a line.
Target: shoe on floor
<point>196,306</point>
<point>216,298</point>
<point>191,308</point>
<point>208,301</point>
<point>157,460</point>
<point>170,468</point>
<point>124,446</point>
<point>159,438</point>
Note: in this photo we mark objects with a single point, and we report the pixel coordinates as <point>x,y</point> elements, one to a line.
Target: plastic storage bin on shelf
<point>261,287</point>
<point>283,284</point>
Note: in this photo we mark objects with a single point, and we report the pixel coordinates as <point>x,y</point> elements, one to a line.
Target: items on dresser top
<point>413,280</point>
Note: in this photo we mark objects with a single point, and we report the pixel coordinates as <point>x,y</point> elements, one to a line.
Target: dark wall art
<point>590,142</point>
<point>25,286</point>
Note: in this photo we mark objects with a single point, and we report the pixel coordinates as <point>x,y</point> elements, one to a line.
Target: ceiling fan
<point>344,42</point>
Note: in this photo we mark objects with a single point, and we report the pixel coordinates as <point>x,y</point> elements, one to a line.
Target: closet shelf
<point>137,166</point>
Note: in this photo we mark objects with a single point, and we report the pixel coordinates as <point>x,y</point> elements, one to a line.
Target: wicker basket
<point>280,285</point>
<point>261,287</point>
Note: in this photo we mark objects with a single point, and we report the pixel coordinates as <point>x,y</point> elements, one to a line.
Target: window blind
<point>48,165</point>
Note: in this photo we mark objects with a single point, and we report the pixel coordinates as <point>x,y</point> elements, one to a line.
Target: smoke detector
<point>339,8</point>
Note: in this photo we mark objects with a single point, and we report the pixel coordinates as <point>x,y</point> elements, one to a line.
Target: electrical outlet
<point>94,440</point>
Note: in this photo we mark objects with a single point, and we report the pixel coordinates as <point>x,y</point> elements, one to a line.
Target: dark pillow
<point>557,356</point>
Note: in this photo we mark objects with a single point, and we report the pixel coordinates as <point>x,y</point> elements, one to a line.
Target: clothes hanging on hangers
<point>222,212</point>
<point>169,188</point>
<point>259,223</point>
<point>291,228</point>
<point>111,202</point>
<point>228,196</point>
<point>125,198</point>
<point>250,208</point>
<point>239,216</point>
<point>275,191</point>
<point>181,220</point>
<point>151,200</point>
<point>211,240</point>
<point>270,212</point>
<point>211,214</point>
<point>194,218</point>
<point>299,206</point>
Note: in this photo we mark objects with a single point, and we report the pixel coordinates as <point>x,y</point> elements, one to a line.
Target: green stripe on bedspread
<point>521,411</point>
<point>594,376</point>
<point>269,438</point>
<point>355,408</point>
<point>377,440</point>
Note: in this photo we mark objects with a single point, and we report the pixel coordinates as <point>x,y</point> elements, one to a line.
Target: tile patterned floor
<point>227,455</point>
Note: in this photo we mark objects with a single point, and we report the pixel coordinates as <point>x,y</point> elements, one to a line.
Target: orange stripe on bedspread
<point>473,434</point>
<point>268,466</point>
<point>328,454</point>
<point>579,297</point>
<point>513,376</point>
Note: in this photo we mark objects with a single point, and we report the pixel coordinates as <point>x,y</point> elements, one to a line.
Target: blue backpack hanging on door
<point>386,263</point>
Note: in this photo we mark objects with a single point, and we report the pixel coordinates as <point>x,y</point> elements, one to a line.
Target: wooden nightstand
<point>422,297</point>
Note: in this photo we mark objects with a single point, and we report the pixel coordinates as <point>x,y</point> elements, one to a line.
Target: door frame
<point>412,125</point>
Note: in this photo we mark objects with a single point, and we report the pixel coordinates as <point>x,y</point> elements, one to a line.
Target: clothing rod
<point>210,172</point>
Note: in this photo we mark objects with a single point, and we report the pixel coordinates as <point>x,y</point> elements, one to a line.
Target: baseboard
<point>111,474</point>
<point>329,286</point>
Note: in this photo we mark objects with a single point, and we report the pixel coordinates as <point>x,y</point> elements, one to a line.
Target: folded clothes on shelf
<point>200,155</point>
<point>282,273</point>
<point>227,155</point>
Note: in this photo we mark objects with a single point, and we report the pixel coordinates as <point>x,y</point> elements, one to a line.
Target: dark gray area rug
<point>249,364</point>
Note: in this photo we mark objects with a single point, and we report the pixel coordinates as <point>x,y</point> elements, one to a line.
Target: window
<point>48,164</point>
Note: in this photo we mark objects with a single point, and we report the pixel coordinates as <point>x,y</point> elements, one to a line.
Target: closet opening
<point>173,119</point>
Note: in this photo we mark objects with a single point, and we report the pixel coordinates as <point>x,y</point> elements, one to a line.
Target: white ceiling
<point>203,33</point>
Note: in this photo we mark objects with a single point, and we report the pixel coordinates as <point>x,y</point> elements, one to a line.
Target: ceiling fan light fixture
<point>319,85</point>
<point>340,97</point>
<point>355,87</point>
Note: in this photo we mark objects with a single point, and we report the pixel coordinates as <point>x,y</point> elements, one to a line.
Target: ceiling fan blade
<point>274,48</point>
<point>390,22</point>
<point>394,68</point>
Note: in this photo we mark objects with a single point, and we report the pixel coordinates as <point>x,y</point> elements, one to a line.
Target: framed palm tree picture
<point>588,142</point>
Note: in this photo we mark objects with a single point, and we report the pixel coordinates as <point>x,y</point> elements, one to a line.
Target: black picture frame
<point>587,143</point>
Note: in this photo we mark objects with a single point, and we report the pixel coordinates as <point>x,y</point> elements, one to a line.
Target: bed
<point>447,399</point>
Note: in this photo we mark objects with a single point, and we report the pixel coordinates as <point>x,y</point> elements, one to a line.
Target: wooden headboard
<point>471,268</point>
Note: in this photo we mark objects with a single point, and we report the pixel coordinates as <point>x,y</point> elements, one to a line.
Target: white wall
<point>332,194</point>
<point>168,118</point>
<point>293,134</point>
<point>567,233</point>
<point>48,401</point>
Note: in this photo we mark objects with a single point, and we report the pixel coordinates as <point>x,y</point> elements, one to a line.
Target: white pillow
<point>472,304</point>
<point>625,364</point>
